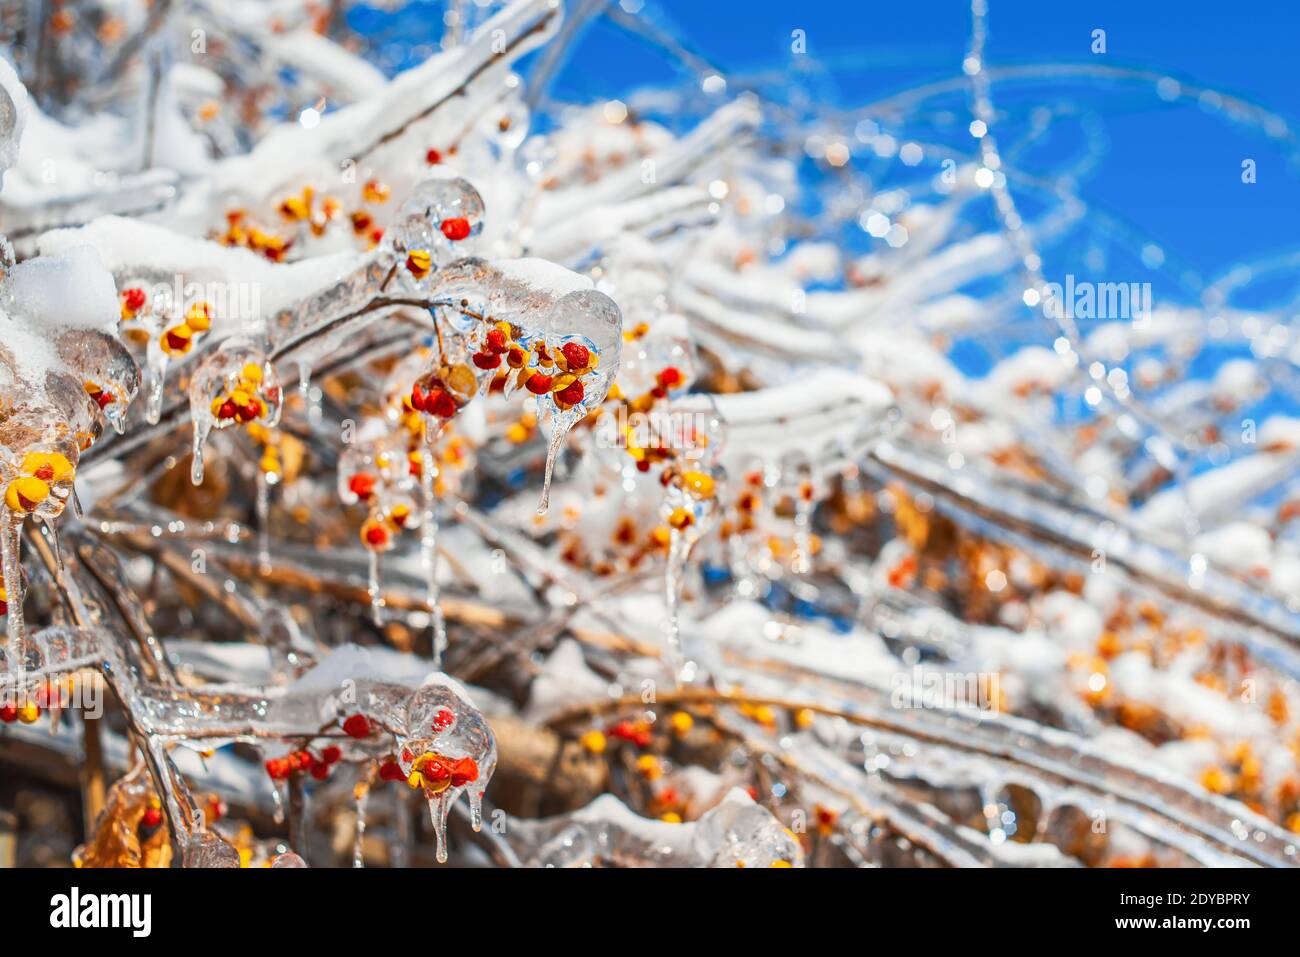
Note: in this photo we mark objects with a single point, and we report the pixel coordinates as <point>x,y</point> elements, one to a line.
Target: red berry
<point>463,772</point>
<point>134,299</point>
<point>391,771</point>
<point>362,485</point>
<point>436,770</point>
<point>496,341</point>
<point>250,412</point>
<point>8,713</point>
<point>441,404</point>
<point>486,360</point>
<point>571,394</point>
<point>443,719</point>
<point>670,377</point>
<point>357,726</point>
<point>176,342</point>
<point>228,410</point>
<point>643,466</point>
<point>151,818</point>
<point>576,355</point>
<point>539,384</point>
<point>104,397</point>
<point>418,398</point>
<point>331,754</point>
<point>456,228</point>
<point>433,157</point>
<point>376,535</point>
<point>320,770</point>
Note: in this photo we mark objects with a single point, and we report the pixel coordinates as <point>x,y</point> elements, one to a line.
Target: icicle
<point>196,459</point>
<point>155,379</point>
<point>560,425</point>
<point>277,802</point>
<point>52,536</point>
<point>372,589</point>
<point>362,795</point>
<point>438,808</point>
<point>13,581</point>
<point>401,838</point>
<point>429,544</point>
<point>673,573</point>
<point>476,810</point>
<point>429,555</point>
<point>304,379</point>
<point>263,522</point>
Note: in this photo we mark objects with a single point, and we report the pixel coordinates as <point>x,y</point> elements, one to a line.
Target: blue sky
<point>1172,170</point>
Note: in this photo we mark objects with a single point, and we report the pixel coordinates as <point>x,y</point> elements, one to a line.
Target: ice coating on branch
<point>607,833</point>
<point>61,373</point>
<point>13,116</point>
<point>440,220</point>
<point>232,386</point>
<point>739,833</point>
<point>748,399</point>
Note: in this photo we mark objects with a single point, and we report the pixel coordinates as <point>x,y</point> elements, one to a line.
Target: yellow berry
<point>177,340</point>
<point>295,208</point>
<point>198,317</point>
<point>418,261</point>
<point>48,466</point>
<point>25,493</point>
<point>699,484</point>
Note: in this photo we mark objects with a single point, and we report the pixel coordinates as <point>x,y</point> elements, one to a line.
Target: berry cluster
<point>41,473</point>
<point>304,761</point>
<point>245,402</point>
